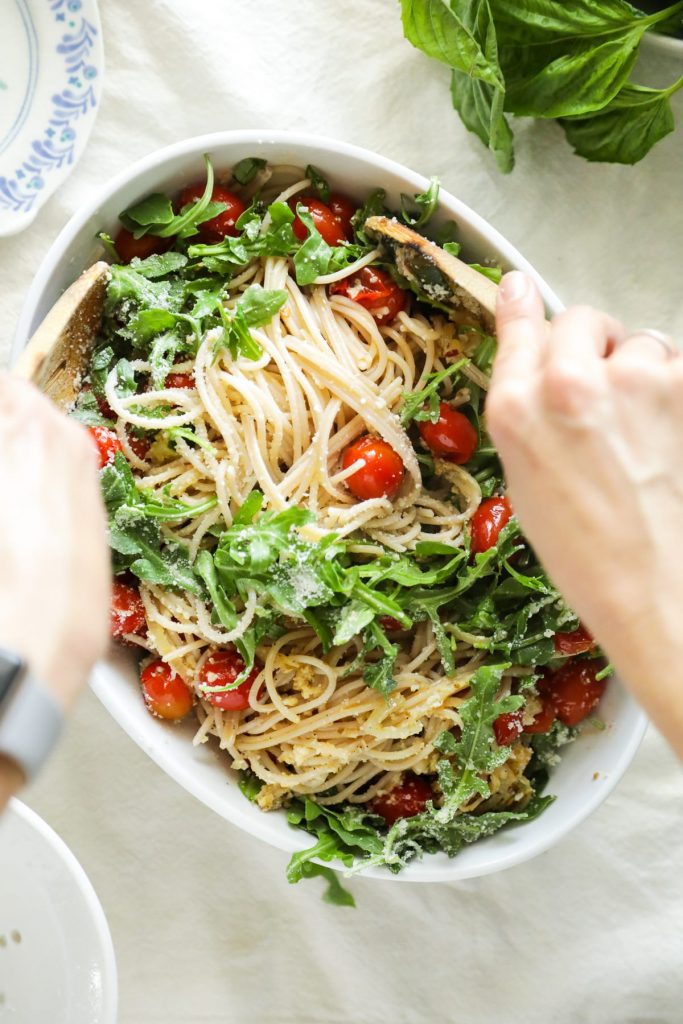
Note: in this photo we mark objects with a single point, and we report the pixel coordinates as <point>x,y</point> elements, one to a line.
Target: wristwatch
<point>30,718</point>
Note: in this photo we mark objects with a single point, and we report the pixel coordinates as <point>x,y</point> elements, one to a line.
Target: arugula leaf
<point>493,273</point>
<point>374,206</point>
<point>134,532</point>
<point>426,203</point>
<point>319,183</point>
<point>314,256</point>
<point>627,128</point>
<point>246,170</point>
<point>424,404</point>
<point>154,214</point>
<point>259,305</point>
<point>87,411</point>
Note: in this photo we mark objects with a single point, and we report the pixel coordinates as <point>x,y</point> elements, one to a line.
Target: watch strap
<point>31,722</point>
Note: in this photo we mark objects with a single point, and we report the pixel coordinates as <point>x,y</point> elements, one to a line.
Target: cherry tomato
<point>180,380</point>
<point>323,220</point>
<point>107,444</point>
<point>573,690</point>
<point>508,727</point>
<point>403,801</point>
<point>221,669</point>
<point>214,230</point>
<point>140,445</point>
<point>343,209</point>
<point>127,610</point>
<point>488,521</point>
<point>164,692</point>
<point>452,436</point>
<point>383,472</point>
<point>544,719</point>
<point>577,642</point>
<point>389,623</point>
<point>129,247</point>
<point>376,291</point>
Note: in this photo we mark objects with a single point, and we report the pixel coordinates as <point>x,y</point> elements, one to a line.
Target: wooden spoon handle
<point>56,357</point>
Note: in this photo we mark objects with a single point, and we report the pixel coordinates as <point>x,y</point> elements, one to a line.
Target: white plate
<point>56,956</point>
<point>590,768</point>
<point>51,69</point>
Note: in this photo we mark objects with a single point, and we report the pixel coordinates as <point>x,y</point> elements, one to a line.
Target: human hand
<point>55,575</point>
<point>589,425</point>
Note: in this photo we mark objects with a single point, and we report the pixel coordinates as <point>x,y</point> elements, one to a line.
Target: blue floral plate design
<point>51,71</point>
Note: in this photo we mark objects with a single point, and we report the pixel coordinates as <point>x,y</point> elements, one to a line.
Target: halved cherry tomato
<point>508,727</point>
<point>573,690</point>
<point>127,610</point>
<point>140,445</point>
<point>452,436</point>
<point>214,230</point>
<point>488,521</point>
<point>107,443</point>
<point>403,801</point>
<point>389,623</point>
<point>164,692</point>
<point>324,221</point>
<point>383,472</point>
<point>343,209</point>
<point>221,669</point>
<point>544,719</point>
<point>577,642</point>
<point>128,247</point>
<point>375,290</point>
<point>180,380</point>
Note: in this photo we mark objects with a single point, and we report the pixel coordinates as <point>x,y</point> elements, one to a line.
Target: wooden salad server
<point>441,276</point>
<point>56,357</point>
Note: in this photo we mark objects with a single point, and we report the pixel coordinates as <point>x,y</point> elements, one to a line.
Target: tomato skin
<point>165,692</point>
<point>180,380</point>
<point>127,610</point>
<point>323,219</point>
<point>577,642</point>
<point>376,291</point>
<point>222,668</point>
<point>213,231</point>
<point>128,247</point>
<point>452,436</point>
<point>508,727</point>
<point>543,720</point>
<point>107,444</point>
<point>343,209</point>
<point>403,801</point>
<point>389,623</point>
<point>573,690</point>
<point>383,472</point>
<point>140,445</point>
<point>487,523</point>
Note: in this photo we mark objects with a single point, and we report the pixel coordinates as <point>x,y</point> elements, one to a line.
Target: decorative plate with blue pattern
<point>51,70</point>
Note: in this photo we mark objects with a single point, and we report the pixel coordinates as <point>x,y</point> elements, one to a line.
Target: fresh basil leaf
<point>246,170</point>
<point>627,128</point>
<point>440,30</point>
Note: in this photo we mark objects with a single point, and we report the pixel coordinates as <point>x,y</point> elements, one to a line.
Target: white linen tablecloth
<point>205,925</point>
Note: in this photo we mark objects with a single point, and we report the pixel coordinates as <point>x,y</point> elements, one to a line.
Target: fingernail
<point>514,286</point>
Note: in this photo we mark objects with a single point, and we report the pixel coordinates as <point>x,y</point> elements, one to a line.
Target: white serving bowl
<point>590,768</point>
<point>56,956</point>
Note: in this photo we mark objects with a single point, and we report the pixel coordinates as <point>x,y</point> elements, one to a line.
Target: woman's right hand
<point>589,425</point>
<point>54,558</point>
